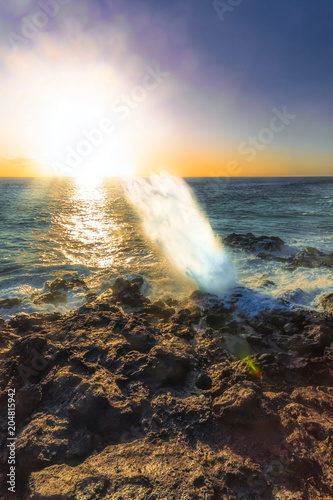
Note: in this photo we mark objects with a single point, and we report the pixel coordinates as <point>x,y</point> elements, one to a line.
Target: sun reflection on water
<point>87,234</point>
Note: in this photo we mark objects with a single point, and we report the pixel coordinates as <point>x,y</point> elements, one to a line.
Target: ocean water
<point>59,228</point>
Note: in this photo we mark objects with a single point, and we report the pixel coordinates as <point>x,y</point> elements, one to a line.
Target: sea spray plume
<point>174,220</point>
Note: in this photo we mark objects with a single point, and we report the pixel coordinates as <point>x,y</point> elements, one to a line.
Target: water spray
<point>174,220</point>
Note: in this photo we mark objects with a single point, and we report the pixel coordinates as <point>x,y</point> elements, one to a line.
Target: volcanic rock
<point>312,257</point>
<point>326,302</point>
<point>251,243</point>
<point>117,399</point>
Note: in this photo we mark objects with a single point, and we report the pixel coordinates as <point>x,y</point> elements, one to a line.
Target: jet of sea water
<point>172,218</point>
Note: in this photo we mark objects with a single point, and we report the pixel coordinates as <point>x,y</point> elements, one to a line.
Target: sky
<point>188,87</point>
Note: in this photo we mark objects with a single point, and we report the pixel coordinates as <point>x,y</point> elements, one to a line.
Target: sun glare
<point>88,181</point>
<point>71,108</point>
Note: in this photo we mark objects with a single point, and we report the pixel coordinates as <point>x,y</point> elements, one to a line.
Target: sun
<point>73,130</point>
<point>88,180</point>
<point>82,142</point>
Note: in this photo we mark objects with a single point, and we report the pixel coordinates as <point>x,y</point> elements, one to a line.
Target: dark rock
<point>120,391</point>
<point>244,404</point>
<point>9,303</point>
<point>28,398</point>
<point>51,298</point>
<point>312,340</point>
<point>158,311</point>
<point>218,316</point>
<point>91,297</point>
<point>139,281</point>
<point>311,257</point>
<point>62,284</point>
<point>252,243</point>
<point>128,293</point>
<point>55,290</point>
<point>172,302</point>
<point>23,322</point>
<point>140,340</point>
<point>168,365</point>
<point>204,382</point>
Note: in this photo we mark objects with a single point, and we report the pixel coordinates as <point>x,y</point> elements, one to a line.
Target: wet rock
<point>9,303</point>
<point>217,316</point>
<point>252,243</point>
<point>271,257</point>
<point>128,293</point>
<point>62,284</point>
<point>312,257</point>
<point>326,302</point>
<point>172,302</point>
<point>91,297</point>
<point>159,310</point>
<point>51,298</point>
<point>55,290</point>
<point>265,246</point>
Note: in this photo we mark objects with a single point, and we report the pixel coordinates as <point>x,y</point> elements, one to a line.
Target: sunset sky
<point>189,87</point>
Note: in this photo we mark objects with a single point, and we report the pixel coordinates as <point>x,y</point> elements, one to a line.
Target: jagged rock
<point>160,312</point>
<point>128,293</point>
<point>313,340</point>
<point>217,316</point>
<point>244,404</point>
<point>62,284</point>
<point>312,257</point>
<point>252,243</point>
<point>204,382</point>
<point>326,302</point>
<point>24,322</point>
<point>263,246</point>
<point>134,470</point>
<point>169,364</point>
<point>126,402</point>
<point>28,398</point>
<point>9,303</point>
<point>54,290</point>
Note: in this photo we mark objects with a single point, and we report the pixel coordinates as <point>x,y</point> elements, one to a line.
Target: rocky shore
<point>194,400</point>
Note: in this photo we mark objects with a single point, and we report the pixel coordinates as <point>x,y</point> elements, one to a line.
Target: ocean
<point>59,228</point>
